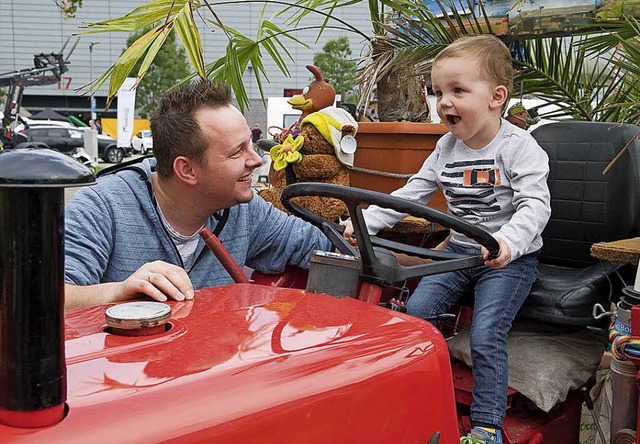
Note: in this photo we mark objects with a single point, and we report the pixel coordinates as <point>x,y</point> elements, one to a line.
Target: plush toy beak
<point>300,102</point>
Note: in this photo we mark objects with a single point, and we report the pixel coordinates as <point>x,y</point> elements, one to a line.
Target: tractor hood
<point>249,363</point>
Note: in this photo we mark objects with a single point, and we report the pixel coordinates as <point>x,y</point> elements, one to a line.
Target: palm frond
<point>190,38</point>
<point>583,83</point>
<point>141,17</point>
<point>241,51</point>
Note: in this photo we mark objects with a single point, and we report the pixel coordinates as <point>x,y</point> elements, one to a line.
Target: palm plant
<point>241,51</point>
<point>404,38</point>
<point>592,75</point>
<point>623,104</point>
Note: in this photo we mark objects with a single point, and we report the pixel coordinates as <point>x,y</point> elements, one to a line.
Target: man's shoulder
<point>254,210</point>
<point>119,187</point>
<point>125,181</point>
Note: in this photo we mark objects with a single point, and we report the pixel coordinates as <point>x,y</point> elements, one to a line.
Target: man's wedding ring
<point>149,276</point>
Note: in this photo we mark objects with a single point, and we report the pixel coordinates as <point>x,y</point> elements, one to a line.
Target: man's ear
<point>500,96</point>
<point>184,171</point>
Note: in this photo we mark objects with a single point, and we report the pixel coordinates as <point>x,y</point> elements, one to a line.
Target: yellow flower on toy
<point>287,153</point>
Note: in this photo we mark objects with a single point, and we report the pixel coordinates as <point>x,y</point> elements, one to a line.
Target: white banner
<point>126,111</point>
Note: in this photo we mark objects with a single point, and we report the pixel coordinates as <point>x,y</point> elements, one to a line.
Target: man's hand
<point>159,280</point>
<point>503,259</point>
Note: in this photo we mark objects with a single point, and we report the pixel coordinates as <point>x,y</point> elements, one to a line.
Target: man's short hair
<point>174,126</point>
<point>492,55</point>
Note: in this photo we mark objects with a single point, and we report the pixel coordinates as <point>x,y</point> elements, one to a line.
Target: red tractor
<point>289,358</point>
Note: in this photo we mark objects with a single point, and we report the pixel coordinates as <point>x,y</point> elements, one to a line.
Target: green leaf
<point>140,17</point>
<point>163,32</point>
<point>128,60</point>
<point>190,38</point>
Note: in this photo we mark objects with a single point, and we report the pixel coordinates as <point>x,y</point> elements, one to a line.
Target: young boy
<point>493,174</point>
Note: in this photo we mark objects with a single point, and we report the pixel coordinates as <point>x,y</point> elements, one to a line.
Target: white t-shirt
<point>186,245</point>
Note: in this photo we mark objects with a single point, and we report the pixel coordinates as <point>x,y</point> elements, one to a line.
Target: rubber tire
<point>114,155</point>
<point>37,145</point>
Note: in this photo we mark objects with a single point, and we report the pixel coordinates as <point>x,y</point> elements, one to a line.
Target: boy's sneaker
<point>482,435</point>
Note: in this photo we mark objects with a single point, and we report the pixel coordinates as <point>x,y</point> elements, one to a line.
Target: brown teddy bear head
<point>314,142</point>
<point>330,131</point>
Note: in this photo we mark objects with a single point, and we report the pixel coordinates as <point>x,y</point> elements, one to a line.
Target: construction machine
<point>47,70</point>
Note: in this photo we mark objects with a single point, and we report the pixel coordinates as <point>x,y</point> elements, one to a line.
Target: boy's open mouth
<point>452,119</point>
<point>245,178</point>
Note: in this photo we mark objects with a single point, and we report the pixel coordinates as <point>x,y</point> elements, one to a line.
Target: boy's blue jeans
<point>498,295</point>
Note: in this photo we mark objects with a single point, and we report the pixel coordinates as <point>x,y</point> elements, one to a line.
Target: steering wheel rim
<point>377,264</point>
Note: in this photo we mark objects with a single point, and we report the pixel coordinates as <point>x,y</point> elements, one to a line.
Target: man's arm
<point>157,280</point>
<point>88,252</point>
<point>281,239</point>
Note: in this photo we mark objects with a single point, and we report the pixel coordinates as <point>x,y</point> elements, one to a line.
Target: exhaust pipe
<point>32,359</point>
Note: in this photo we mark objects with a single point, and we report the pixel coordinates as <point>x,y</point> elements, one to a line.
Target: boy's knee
<point>422,307</point>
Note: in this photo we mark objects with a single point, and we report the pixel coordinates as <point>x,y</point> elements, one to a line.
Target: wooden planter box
<point>394,147</point>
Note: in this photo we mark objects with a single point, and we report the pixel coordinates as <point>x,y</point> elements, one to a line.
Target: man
<point>135,232</point>
<point>256,133</point>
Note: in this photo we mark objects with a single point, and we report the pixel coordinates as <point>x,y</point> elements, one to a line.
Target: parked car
<point>24,123</point>
<point>66,140</point>
<point>142,142</point>
<point>30,123</point>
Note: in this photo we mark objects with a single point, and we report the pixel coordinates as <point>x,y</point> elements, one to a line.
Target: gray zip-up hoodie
<point>112,228</point>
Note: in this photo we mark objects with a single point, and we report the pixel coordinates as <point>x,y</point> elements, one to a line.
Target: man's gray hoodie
<point>113,228</point>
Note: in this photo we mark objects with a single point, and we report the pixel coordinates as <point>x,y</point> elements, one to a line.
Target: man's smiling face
<point>230,159</point>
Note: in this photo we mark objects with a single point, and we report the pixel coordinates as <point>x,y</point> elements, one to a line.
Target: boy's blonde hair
<point>493,57</point>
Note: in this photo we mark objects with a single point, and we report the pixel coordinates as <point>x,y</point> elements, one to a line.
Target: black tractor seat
<point>587,207</point>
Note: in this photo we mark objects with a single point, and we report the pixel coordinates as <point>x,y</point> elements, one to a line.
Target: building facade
<point>28,28</point>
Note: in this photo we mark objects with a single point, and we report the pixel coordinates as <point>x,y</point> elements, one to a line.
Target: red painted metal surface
<point>562,425</point>
<point>293,277</point>
<point>250,363</point>
<point>522,424</point>
<point>370,293</point>
<point>37,418</point>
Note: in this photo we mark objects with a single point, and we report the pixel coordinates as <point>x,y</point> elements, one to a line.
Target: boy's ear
<point>500,96</point>
<point>183,169</point>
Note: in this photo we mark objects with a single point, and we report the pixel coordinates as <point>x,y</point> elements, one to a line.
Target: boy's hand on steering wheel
<point>503,259</point>
<point>348,232</point>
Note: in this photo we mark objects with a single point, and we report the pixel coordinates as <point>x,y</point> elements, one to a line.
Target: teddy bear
<point>322,152</point>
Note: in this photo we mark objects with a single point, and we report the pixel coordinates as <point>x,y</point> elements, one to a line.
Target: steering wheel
<point>378,264</point>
